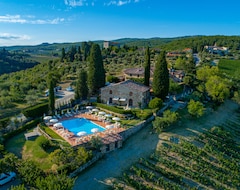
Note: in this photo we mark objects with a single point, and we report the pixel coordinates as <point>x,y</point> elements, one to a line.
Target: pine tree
<point>161,77</point>
<point>147,66</point>
<point>81,91</point>
<point>96,71</point>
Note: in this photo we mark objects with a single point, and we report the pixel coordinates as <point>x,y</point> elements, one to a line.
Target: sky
<point>32,22</point>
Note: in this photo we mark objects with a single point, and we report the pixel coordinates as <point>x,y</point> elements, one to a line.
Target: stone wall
<point>129,132</point>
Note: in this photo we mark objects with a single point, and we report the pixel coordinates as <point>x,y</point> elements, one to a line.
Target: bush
<point>43,142</point>
<point>4,122</point>
<point>36,111</point>
<point>28,125</point>
<point>155,103</point>
<point>113,109</point>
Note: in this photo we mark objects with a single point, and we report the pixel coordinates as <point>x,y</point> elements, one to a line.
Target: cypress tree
<point>51,95</point>
<point>63,54</point>
<point>147,66</point>
<point>161,77</point>
<point>96,71</point>
<point>81,91</point>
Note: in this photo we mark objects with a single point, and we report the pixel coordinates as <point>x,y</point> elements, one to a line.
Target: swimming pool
<point>81,124</point>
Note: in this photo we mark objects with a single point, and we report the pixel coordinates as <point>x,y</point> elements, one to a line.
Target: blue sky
<point>31,22</point>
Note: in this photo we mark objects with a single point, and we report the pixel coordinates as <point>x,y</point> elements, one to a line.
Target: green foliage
<point>51,97</point>
<point>96,71</point>
<point>81,91</point>
<point>96,142</point>
<point>195,108</point>
<point>4,122</point>
<point>28,125</point>
<point>147,66</point>
<point>161,77</point>
<point>12,62</point>
<point>113,109</point>
<point>174,87</point>
<point>217,88</point>
<point>29,172</point>
<point>112,79</point>
<point>55,181</point>
<point>70,159</point>
<point>142,114</point>
<point>43,142</point>
<point>168,119</point>
<point>36,111</point>
<point>9,162</point>
<point>18,187</point>
<point>155,103</point>
<point>204,73</point>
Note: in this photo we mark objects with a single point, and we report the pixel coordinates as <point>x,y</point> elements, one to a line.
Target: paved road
<point>113,164</point>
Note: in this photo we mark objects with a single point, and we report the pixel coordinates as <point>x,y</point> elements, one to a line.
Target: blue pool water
<point>81,124</point>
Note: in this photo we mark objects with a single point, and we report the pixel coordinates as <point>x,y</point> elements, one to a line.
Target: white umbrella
<point>47,117</point>
<point>81,133</point>
<point>109,126</point>
<point>95,110</point>
<point>89,107</point>
<point>94,130</point>
<point>108,115</point>
<point>57,125</point>
<point>53,120</point>
<point>101,113</point>
<point>116,119</point>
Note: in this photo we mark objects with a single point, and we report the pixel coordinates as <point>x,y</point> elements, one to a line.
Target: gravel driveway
<point>114,163</point>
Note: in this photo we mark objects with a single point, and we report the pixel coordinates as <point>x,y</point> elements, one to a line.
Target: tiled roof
<point>131,85</point>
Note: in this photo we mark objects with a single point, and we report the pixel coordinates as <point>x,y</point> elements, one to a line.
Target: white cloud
<point>74,3</point>
<point>7,36</point>
<point>120,2</point>
<point>28,20</point>
<point>12,19</point>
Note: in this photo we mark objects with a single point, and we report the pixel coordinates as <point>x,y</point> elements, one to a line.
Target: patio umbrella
<point>95,110</point>
<point>116,119</point>
<point>108,115</point>
<point>57,125</point>
<point>47,117</point>
<point>94,130</point>
<point>101,113</point>
<point>81,133</point>
<point>53,120</point>
<point>109,126</point>
<point>89,107</point>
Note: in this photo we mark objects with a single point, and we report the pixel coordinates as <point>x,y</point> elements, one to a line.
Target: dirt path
<point>143,144</point>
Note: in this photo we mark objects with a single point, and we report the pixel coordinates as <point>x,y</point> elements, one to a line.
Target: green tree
<point>195,108</point>
<point>205,72</point>
<point>81,91</point>
<point>155,103</point>
<point>217,88</point>
<point>96,71</point>
<point>29,172</point>
<point>189,67</point>
<point>18,187</point>
<point>51,97</point>
<point>55,181</point>
<point>63,55</point>
<point>147,67</point>
<point>161,77</point>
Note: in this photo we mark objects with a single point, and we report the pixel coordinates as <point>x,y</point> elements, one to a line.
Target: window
<point>130,93</point>
<point>110,92</point>
<point>130,102</point>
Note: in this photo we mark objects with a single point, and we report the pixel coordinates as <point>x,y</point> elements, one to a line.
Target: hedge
<point>4,122</point>
<point>113,109</point>
<point>36,111</point>
<point>28,125</point>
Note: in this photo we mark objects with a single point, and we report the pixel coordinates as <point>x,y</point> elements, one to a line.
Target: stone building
<point>127,93</point>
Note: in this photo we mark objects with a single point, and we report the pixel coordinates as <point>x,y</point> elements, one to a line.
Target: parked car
<point>7,177</point>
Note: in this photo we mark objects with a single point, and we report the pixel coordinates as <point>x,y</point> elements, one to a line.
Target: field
<point>230,68</point>
<point>208,160</point>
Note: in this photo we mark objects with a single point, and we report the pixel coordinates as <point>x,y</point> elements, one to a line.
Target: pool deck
<point>107,136</point>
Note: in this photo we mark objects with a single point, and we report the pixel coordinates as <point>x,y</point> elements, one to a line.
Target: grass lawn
<point>32,150</point>
<point>16,144</point>
<point>129,123</point>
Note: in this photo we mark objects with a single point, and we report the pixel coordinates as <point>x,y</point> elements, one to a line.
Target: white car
<point>6,177</point>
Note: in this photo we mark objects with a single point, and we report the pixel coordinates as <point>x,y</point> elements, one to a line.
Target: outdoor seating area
<point>109,136</point>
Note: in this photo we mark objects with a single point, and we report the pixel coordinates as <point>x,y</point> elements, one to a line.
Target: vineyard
<point>210,160</point>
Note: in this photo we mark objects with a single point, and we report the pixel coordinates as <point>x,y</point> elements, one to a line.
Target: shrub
<point>155,103</point>
<point>36,111</point>
<point>113,109</point>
